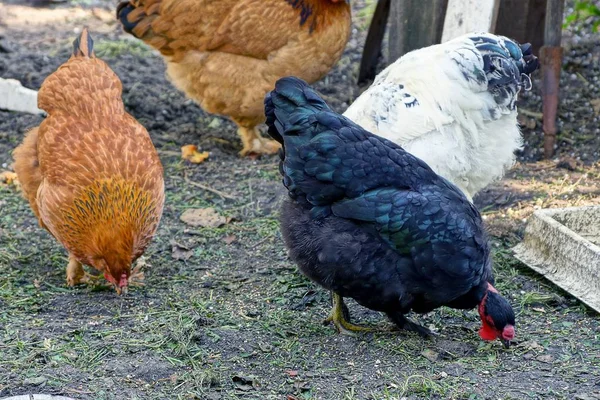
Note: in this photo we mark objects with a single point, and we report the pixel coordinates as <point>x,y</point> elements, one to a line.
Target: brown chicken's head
<point>497,316</point>
<point>116,269</point>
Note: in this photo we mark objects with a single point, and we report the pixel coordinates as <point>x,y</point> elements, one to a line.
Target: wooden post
<point>465,16</point>
<point>523,21</point>
<point>415,24</point>
<point>372,49</point>
<point>551,63</point>
<point>536,22</point>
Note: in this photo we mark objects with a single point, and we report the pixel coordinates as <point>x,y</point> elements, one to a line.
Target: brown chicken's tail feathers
<point>83,46</point>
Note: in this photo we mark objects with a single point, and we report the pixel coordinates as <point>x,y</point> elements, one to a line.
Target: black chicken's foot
<point>338,318</point>
<point>403,323</point>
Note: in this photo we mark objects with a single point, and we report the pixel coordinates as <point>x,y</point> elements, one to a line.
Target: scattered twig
<point>209,189</point>
<point>70,390</point>
<point>532,114</point>
<point>544,167</point>
<point>260,242</point>
<point>169,153</point>
<point>583,79</point>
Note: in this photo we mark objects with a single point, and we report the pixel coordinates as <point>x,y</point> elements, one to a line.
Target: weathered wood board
<point>523,21</point>
<point>464,16</point>
<point>415,24</point>
<point>372,49</point>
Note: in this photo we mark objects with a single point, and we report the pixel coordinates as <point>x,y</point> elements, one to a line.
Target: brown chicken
<point>90,171</point>
<point>227,54</point>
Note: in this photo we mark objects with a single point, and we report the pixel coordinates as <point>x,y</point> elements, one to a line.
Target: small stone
<point>531,345</point>
<point>37,380</point>
<point>587,396</point>
<point>546,358</point>
<point>430,355</point>
<point>215,123</point>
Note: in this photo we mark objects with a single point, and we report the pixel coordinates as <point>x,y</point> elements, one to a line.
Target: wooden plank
<point>523,21</point>
<point>534,29</point>
<point>372,49</point>
<point>464,16</point>
<point>415,24</point>
<point>512,19</point>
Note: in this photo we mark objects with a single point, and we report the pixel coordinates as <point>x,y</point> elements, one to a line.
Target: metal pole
<point>551,61</point>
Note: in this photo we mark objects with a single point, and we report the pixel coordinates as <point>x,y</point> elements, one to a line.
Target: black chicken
<point>368,220</point>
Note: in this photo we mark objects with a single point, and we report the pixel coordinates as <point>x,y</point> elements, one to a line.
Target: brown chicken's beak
<point>121,287</point>
<point>505,343</point>
<point>121,290</point>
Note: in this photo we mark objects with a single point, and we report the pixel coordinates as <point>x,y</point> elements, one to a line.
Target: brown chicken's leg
<point>76,273</point>
<point>254,143</point>
<point>339,320</point>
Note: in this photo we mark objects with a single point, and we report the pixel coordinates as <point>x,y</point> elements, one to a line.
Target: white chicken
<point>453,105</point>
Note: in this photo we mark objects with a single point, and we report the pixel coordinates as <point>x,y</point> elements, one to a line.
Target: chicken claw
<point>403,323</point>
<point>136,278</point>
<point>254,143</point>
<point>339,320</point>
<point>76,274</point>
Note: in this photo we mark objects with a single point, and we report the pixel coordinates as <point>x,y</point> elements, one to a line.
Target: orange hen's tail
<point>83,46</point>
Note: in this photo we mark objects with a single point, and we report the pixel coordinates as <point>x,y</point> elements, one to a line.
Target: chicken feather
<point>227,54</point>
<point>453,105</point>
<point>90,171</point>
<point>368,220</point>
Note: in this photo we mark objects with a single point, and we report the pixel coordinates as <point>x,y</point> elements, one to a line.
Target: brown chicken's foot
<point>338,318</point>
<point>76,274</point>
<point>254,143</point>
<point>136,278</point>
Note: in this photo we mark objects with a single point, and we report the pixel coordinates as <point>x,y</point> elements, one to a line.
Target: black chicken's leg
<point>403,323</point>
<point>338,318</point>
<point>345,309</point>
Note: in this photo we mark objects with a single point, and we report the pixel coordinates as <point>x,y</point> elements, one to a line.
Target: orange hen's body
<point>228,54</point>
<point>90,171</point>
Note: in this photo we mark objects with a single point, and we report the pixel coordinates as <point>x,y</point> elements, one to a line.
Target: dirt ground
<point>224,314</point>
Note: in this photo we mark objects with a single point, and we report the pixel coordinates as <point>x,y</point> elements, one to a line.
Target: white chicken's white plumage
<point>453,105</point>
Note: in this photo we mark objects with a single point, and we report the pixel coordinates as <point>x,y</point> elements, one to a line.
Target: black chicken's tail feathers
<point>83,46</point>
<point>289,105</point>
<point>137,17</point>
<point>132,15</point>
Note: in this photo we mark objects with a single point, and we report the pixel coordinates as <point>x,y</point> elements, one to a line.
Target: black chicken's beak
<point>505,343</point>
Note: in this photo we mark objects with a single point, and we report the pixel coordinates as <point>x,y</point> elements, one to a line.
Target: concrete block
<point>563,244</point>
<point>15,97</point>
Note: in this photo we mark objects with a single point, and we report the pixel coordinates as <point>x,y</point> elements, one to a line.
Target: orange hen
<point>227,54</point>
<point>90,171</point>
